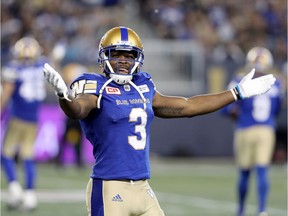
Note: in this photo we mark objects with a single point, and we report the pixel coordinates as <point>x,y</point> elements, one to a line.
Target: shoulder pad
<point>87,83</point>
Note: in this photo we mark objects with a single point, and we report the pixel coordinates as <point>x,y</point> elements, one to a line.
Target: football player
<point>254,136</point>
<point>116,109</point>
<point>23,90</point>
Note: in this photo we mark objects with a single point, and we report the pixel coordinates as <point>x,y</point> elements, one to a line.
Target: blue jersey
<point>120,129</point>
<point>29,89</point>
<point>258,110</point>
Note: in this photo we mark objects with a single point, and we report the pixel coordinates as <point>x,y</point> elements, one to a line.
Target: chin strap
<point>101,92</point>
<point>140,93</point>
<point>121,78</point>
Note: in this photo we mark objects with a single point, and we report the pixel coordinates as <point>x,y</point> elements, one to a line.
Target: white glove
<point>57,82</point>
<point>249,87</point>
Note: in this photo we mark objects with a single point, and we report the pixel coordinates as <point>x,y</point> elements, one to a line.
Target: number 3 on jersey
<point>138,144</point>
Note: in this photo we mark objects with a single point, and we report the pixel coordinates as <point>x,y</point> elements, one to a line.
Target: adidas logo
<point>117,198</point>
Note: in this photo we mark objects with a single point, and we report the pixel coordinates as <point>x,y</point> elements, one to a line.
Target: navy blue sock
<point>30,173</point>
<point>243,183</point>
<point>262,187</point>
<point>9,168</point>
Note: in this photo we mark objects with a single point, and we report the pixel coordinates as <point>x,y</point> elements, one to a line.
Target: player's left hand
<point>249,87</point>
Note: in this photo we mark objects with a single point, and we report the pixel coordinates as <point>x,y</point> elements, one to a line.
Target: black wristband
<point>60,95</point>
<point>63,96</point>
<point>237,93</point>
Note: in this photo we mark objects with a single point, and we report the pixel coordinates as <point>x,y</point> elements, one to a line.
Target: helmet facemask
<point>105,58</point>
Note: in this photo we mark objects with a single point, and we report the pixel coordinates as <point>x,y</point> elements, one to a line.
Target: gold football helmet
<point>120,38</point>
<point>27,48</point>
<point>259,58</point>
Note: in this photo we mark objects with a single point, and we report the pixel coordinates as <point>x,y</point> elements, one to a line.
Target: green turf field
<point>183,187</point>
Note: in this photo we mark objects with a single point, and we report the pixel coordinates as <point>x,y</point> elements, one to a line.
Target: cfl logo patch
<point>112,90</point>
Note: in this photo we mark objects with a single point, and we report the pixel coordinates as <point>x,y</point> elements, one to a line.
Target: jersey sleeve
<point>86,84</point>
<point>147,76</point>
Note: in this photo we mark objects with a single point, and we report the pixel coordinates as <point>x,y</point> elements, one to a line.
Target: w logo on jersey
<point>112,90</point>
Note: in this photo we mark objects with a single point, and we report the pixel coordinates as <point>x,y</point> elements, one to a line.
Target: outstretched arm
<point>173,107</point>
<point>79,107</point>
<point>76,108</point>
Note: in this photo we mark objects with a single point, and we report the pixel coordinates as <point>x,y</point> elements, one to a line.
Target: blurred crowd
<point>75,25</point>
<point>226,29</point>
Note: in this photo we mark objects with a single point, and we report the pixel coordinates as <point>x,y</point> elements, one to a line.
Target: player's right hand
<point>56,81</point>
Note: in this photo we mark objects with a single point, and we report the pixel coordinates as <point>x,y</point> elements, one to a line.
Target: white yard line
<point>52,196</point>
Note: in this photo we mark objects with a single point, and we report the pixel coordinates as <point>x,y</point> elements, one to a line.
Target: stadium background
<point>191,47</point>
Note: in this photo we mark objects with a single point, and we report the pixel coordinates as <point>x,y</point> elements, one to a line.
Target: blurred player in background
<point>23,90</point>
<point>116,109</point>
<point>73,131</point>
<point>254,137</point>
